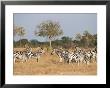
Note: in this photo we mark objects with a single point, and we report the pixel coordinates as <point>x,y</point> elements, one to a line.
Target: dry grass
<point>49,65</point>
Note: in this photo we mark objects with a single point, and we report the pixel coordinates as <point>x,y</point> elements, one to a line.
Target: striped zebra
<point>37,54</point>
<point>78,56</point>
<point>62,54</point>
<point>27,54</point>
<point>21,55</point>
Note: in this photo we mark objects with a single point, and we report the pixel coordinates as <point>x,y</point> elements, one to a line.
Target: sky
<point>71,23</point>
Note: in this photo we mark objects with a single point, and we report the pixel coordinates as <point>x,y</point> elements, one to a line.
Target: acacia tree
<point>78,37</point>
<point>88,37</point>
<point>15,31</point>
<point>20,31</point>
<point>49,29</point>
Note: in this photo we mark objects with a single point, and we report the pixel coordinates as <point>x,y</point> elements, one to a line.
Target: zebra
<point>25,55</point>
<point>67,56</point>
<point>93,55</point>
<point>20,55</point>
<point>78,56</point>
<point>37,54</point>
<point>90,56</point>
<point>62,54</point>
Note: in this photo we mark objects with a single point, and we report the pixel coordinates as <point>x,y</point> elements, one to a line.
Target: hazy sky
<point>70,23</point>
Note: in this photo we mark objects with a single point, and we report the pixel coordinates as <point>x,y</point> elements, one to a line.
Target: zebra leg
<point>65,61</point>
<point>24,59</point>
<point>14,60</point>
<point>78,62</point>
<point>29,57</point>
<point>95,59</point>
<point>70,60</point>
<point>88,62</point>
<point>37,59</point>
<point>60,59</point>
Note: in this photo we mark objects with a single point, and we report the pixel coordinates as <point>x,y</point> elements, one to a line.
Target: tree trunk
<point>20,41</point>
<point>50,43</point>
<point>87,42</point>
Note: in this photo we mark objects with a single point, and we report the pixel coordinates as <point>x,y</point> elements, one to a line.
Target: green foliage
<point>66,39</point>
<point>78,37</point>
<point>52,30</point>
<point>20,31</point>
<point>21,43</point>
<point>49,29</point>
<point>34,42</point>
<point>86,40</point>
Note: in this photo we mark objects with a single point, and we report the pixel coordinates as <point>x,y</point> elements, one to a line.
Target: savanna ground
<point>50,65</point>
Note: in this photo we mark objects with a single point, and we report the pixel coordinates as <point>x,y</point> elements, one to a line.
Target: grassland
<point>50,65</point>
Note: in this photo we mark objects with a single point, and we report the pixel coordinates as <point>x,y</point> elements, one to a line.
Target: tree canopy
<point>49,29</point>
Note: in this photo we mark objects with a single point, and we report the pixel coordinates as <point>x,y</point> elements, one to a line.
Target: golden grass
<point>49,65</point>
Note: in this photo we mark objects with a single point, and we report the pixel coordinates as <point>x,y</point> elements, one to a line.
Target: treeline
<point>84,40</point>
<point>52,30</point>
